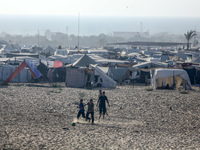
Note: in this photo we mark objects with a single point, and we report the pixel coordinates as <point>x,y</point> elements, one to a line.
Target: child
<point>90,111</point>
<point>102,104</point>
<point>81,109</point>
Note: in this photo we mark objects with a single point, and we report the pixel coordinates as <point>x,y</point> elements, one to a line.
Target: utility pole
<point>195,42</point>
<point>78,28</point>
<point>141,29</point>
<point>66,35</point>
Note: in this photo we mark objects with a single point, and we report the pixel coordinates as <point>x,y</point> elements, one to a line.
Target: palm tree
<point>189,35</point>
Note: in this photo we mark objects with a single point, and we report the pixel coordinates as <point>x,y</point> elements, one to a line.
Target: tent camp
<point>163,77</point>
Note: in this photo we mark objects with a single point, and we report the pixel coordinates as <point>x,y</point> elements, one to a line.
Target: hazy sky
<point>103,7</point>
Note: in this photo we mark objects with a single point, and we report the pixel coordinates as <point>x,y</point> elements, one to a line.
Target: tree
<point>189,35</point>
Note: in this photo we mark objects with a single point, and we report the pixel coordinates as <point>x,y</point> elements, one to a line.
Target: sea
<point>95,25</point>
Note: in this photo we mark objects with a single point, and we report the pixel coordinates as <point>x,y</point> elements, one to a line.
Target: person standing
<point>100,93</point>
<point>102,104</point>
<point>81,109</point>
<point>90,111</point>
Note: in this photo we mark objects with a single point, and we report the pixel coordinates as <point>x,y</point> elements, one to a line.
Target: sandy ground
<point>40,117</point>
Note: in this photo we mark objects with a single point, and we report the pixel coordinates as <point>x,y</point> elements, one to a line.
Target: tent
<point>35,73</point>
<point>150,64</point>
<point>117,73</point>
<point>77,74</point>
<point>105,81</point>
<point>49,50</point>
<point>197,76</point>
<point>191,71</point>
<point>197,60</point>
<point>84,61</point>
<point>76,77</point>
<point>163,77</point>
<point>23,77</point>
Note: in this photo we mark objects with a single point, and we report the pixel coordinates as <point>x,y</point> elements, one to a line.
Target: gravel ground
<point>35,116</point>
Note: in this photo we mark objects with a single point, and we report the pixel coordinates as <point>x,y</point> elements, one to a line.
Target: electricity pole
<point>78,28</point>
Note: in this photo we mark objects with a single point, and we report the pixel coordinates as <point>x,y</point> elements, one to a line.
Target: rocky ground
<point>35,116</point>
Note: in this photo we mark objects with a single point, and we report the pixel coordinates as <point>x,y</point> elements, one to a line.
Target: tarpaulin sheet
<point>34,71</point>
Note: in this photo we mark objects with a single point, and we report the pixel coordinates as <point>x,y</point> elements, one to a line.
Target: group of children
<point>102,99</point>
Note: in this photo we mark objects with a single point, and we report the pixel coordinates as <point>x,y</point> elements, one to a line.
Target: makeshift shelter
<point>197,60</point>
<point>191,73</point>
<point>117,74</point>
<point>102,78</point>
<point>75,77</point>
<point>35,73</point>
<point>78,74</point>
<point>170,78</point>
<point>144,76</point>
<point>150,64</point>
<point>49,50</point>
<point>23,77</point>
<point>43,69</point>
<point>197,76</point>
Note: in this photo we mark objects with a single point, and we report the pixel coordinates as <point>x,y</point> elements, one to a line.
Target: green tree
<point>189,35</point>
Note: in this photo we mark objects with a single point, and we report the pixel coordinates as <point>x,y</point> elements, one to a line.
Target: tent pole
<point>46,80</point>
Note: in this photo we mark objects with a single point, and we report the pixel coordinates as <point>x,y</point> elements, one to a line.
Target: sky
<point>160,8</point>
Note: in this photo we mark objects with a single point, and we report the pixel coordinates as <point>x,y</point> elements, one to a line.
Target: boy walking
<point>102,104</point>
<point>90,111</point>
<point>81,109</point>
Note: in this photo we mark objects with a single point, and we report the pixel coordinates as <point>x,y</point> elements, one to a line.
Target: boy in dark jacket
<point>81,109</point>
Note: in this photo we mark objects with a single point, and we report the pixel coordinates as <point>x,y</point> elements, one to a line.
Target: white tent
<point>107,82</point>
<point>162,77</point>
<point>150,64</point>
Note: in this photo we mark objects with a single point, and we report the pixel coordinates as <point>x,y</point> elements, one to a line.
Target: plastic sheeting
<point>178,81</point>
<point>160,81</point>
<point>107,81</point>
<point>169,81</point>
<point>75,77</point>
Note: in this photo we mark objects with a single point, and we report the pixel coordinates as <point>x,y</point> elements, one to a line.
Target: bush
<point>81,95</point>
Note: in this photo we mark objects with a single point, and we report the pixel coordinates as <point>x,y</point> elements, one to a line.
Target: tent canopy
<point>84,61</point>
<point>107,82</point>
<point>150,64</point>
<point>158,75</point>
